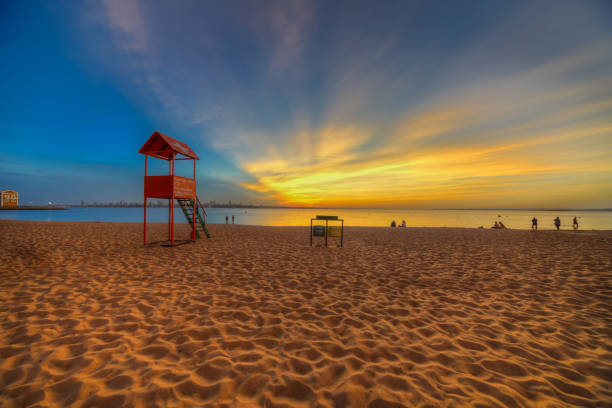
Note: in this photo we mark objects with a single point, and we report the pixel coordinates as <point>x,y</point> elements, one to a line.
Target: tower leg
<point>145,220</point>
<point>193,214</point>
<point>145,203</point>
<point>172,221</point>
<point>172,205</point>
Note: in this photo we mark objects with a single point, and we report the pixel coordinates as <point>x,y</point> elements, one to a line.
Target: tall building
<point>9,198</point>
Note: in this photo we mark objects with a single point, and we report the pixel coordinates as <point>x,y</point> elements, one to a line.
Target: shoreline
<point>350,227</point>
<point>33,207</point>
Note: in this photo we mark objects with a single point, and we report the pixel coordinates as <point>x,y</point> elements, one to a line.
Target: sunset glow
<point>315,103</point>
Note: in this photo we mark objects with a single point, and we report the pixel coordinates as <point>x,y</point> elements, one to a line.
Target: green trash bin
<point>318,231</point>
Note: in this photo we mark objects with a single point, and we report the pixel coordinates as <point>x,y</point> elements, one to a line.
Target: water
<point>518,219</point>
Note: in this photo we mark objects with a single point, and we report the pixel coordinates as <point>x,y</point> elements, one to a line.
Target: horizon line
<point>225,205</point>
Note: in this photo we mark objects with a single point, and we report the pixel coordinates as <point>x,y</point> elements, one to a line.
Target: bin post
<point>326,224</point>
<point>311,232</point>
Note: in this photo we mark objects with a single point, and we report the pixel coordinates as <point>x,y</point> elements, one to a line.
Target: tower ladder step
<point>187,206</point>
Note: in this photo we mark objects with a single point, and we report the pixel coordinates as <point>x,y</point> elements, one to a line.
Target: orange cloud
<point>520,140</point>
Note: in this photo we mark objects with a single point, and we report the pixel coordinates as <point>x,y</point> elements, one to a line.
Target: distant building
<point>9,198</point>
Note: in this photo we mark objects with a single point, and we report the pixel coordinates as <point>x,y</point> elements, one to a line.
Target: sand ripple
<point>256,317</point>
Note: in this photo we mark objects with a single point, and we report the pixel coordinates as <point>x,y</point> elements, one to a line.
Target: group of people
<point>499,225</point>
<point>403,224</point>
<point>534,224</point>
<point>556,223</point>
<point>227,219</point>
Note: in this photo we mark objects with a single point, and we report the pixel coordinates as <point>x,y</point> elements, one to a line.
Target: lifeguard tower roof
<point>164,147</point>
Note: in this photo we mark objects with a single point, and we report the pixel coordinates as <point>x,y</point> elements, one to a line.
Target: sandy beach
<point>256,317</point>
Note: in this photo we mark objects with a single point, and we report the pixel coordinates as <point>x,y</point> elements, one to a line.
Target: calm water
<point>600,220</point>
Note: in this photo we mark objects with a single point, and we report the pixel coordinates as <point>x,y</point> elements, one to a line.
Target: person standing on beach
<point>226,220</point>
<point>575,223</point>
<point>232,219</point>
<point>557,223</point>
<point>534,223</point>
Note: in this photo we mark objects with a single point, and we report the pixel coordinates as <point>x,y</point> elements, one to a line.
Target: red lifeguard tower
<point>173,187</point>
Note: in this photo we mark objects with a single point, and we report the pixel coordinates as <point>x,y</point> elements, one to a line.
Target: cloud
<point>519,127</point>
<point>289,21</point>
<point>352,104</point>
<point>188,58</point>
<point>126,19</point>
<point>136,32</point>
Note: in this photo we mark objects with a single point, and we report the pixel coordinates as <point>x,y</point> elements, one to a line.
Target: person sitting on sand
<point>393,224</point>
<point>496,225</point>
<point>501,225</point>
<point>534,223</point>
<point>557,223</point>
<point>575,226</point>
<point>404,223</point>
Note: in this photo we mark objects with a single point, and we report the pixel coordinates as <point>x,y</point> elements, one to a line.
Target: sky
<point>395,104</point>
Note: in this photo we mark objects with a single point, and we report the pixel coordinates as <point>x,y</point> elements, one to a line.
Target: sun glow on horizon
<point>489,151</point>
<point>314,103</point>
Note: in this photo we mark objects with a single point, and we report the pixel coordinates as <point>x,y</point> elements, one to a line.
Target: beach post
<point>172,187</point>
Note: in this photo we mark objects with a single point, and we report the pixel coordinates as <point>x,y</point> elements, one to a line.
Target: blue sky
<point>402,104</point>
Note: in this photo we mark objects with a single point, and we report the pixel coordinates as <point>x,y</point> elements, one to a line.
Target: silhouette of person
<point>557,223</point>
<point>501,225</point>
<point>496,225</point>
<point>226,220</point>
<point>575,223</point>
<point>404,223</point>
<point>393,224</point>
<point>534,223</point>
<point>232,219</point>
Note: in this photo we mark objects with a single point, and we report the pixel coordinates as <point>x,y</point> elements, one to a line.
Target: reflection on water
<point>600,220</point>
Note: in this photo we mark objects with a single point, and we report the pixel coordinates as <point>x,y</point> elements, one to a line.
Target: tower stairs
<point>188,205</point>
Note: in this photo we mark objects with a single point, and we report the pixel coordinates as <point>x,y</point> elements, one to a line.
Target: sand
<point>256,317</point>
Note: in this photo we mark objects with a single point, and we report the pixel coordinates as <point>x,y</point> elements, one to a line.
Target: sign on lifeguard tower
<point>173,187</point>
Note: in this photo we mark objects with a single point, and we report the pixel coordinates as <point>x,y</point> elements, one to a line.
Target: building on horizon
<point>9,198</point>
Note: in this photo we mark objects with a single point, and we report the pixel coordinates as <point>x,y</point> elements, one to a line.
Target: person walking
<point>575,226</point>
<point>557,223</point>
<point>226,220</point>
<point>534,223</point>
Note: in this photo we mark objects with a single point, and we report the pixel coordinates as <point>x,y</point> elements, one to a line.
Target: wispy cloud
<point>289,21</point>
<point>126,19</point>
<point>351,104</point>
<point>520,127</point>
